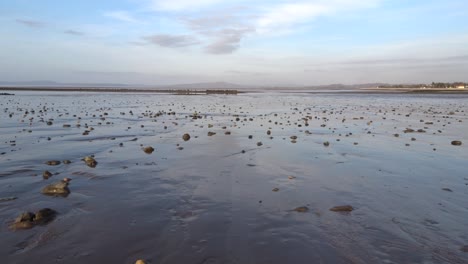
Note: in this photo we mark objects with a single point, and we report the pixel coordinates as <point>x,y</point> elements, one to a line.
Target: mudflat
<point>249,178</point>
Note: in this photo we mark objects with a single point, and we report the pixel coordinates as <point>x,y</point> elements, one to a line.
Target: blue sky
<point>276,42</point>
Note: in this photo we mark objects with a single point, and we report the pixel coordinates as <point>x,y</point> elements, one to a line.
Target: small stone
<point>275,189</point>
<point>259,144</point>
<point>250,136</point>
<point>301,209</point>
<point>148,150</point>
<point>186,137</point>
<point>326,143</point>
<point>456,143</point>
<point>140,261</point>
<point>57,189</point>
<point>447,189</point>
<point>342,208</point>
<point>46,175</point>
<point>66,162</point>
<point>227,133</point>
<point>90,161</point>
<point>291,177</point>
<point>53,162</point>
<point>211,134</point>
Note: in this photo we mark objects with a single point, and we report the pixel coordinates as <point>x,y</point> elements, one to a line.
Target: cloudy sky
<point>274,42</point>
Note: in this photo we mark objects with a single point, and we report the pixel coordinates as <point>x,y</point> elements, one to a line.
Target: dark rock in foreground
<point>29,220</point>
<point>456,143</point>
<point>186,137</point>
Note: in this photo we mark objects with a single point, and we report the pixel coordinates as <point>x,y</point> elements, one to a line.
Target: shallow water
<point>210,203</point>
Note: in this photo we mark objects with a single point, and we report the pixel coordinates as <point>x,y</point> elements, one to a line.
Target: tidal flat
<point>250,178</point>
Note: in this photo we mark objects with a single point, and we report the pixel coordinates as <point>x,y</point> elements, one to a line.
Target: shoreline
<point>231,91</point>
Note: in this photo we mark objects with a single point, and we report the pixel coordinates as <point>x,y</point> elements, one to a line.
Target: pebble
<point>148,150</point>
<point>342,208</point>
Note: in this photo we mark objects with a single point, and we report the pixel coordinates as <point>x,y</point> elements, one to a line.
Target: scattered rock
<point>53,162</point>
<point>186,137</point>
<point>275,189</point>
<point>29,220</point>
<point>342,208</point>
<point>211,134</point>
<point>301,209</point>
<point>57,189</point>
<point>66,162</point>
<point>326,143</point>
<point>46,175</point>
<point>7,199</point>
<point>447,189</point>
<point>456,143</point>
<point>259,144</point>
<point>291,177</point>
<point>148,150</point>
<point>90,161</point>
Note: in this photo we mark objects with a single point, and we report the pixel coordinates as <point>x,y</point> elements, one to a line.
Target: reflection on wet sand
<point>250,178</point>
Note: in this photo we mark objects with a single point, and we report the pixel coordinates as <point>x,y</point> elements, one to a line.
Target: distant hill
<point>188,86</point>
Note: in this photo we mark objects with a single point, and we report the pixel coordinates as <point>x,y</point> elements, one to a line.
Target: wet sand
<point>225,198</point>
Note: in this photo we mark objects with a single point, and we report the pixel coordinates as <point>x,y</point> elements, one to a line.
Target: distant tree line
<point>440,85</point>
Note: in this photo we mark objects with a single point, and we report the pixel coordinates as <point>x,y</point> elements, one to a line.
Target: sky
<point>265,43</point>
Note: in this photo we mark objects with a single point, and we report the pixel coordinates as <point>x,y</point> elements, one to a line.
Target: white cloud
<point>121,15</point>
<point>178,5</point>
<point>284,17</point>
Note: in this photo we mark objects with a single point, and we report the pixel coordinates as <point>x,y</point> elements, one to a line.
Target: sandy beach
<point>257,180</point>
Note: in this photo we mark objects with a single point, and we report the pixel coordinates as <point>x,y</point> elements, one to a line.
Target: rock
<point>29,220</point>
<point>259,144</point>
<point>186,137</point>
<point>275,189</point>
<point>44,216</point>
<point>227,133</point>
<point>447,189</point>
<point>291,177</point>
<point>46,175</point>
<point>148,150</point>
<point>211,134</point>
<point>268,132</point>
<point>293,137</point>
<point>456,143</point>
<point>57,189</point>
<point>326,143</point>
<point>23,221</point>
<point>90,161</point>
<point>342,208</point>
<point>408,130</point>
<point>140,261</point>
<point>301,209</point>
<point>53,162</point>
<point>250,136</point>
<point>66,162</point>
<point>7,199</point>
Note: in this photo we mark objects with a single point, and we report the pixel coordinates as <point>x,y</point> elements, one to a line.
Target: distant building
<point>460,86</point>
